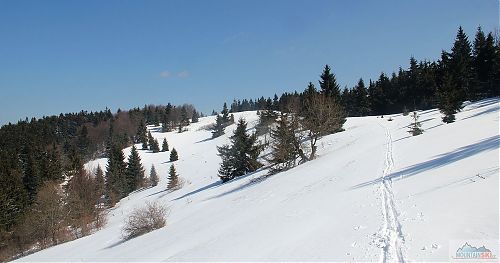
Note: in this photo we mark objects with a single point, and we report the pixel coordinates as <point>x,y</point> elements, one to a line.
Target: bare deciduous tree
<point>322,115</point>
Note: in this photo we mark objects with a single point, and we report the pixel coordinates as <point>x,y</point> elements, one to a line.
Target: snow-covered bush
<point>144,220</point>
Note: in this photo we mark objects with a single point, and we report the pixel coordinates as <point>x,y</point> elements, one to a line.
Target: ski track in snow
<point>391,232</point>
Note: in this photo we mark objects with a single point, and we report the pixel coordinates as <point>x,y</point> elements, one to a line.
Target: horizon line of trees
<point>470,71</point>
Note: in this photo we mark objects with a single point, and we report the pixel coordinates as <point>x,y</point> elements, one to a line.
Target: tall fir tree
<point>361,99</point>
<point>116,183</point>
<point>141,136</point>
<point>460,65</point>
<point>483,63</point>
<point>241,156</point>
<point>99,181</point>
<point>134,172</point>
<point>225,113</point>
<point>328,83</point>
<point>150,140</point>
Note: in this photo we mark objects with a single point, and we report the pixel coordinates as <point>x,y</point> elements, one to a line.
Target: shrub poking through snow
<point>145,219</point>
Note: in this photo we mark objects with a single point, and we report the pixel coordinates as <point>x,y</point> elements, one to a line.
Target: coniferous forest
<point>39,155</point>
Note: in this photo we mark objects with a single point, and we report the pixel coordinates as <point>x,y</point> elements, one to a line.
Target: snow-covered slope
<point>374,193</point>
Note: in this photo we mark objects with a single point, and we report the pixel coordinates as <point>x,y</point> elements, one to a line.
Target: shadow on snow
<point>440,160</point>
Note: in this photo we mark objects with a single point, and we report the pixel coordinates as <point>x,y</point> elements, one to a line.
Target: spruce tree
<point>173,179</point>
<point>50,165</point>
<point>184,116</point>
<point>218,129</point>
<point>99,181</point>
<point>150,140</point>
<point>135,171</point>
<point>225,113</point>
<point>415,127</point>
<point>116,183</point>
<point>460,65</point>
<point>155,147</point>
<point>141,136</point>
<point>450,99</point>
<point>13,194</point>
<point>241,156</point>
<point>284,152</point>
<point>173,155</point>
<point>195,117</point>
<point>495,78</point>
<point>328,83</point>
<point>75,163</point>
<point>484,62</point>
<point>164,146</point>
<point>361,100</point>
<point>153,176</point>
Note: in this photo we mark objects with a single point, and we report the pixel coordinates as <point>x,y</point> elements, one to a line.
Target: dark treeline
<point>37,155</point>
<point>471,70</point>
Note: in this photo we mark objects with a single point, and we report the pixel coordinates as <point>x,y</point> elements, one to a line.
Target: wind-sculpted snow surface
<point>373,194</point>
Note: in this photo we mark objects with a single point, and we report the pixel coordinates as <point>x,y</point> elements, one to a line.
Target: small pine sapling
<point>173,155</point>
<point>415,127</point>
<point>173,179</point>
<point>153,176</point>
<point>164,147</point>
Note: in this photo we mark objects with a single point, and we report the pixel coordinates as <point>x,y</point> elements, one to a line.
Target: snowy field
<point>374,193</point>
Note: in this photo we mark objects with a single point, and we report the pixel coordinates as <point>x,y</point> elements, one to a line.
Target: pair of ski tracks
<point>391,232</point>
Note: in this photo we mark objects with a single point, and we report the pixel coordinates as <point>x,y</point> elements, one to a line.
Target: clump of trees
<point>36,152</point>
<point>58,214</point>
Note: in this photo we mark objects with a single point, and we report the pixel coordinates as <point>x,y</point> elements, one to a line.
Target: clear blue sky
<point>65,56</point>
